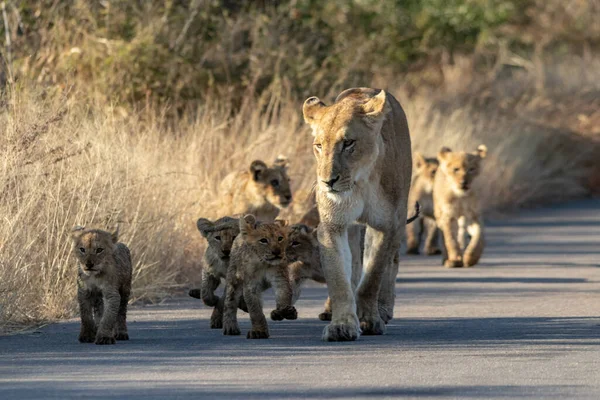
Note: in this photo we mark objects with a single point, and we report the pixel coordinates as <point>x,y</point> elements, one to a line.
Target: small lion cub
<point>421,191</point>
<point>456,206</point>
<point>103,285</point>
<point>258,261</point>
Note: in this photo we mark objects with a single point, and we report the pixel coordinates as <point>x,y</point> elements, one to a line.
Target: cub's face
<point>346,138</point>
<point>425,169</point>
<point>266,241</point>
<point>219,234</point>
<point>93,249</point>
<point>301,243</point>
<point>273,183</point>
<point>461,168</point>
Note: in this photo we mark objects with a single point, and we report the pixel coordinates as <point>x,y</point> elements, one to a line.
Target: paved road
<point>523,324</point>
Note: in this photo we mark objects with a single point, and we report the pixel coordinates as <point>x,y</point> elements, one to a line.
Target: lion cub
<point>261,190</point>
<point>103,285</point>
<point>258,261</point>
<point>456,206</point>
<point>421,191</point>
<point>220,235</point>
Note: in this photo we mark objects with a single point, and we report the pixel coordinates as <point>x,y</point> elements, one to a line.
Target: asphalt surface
<point>523,324</point>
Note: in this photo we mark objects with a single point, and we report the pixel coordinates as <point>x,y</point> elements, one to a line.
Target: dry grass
<point>65,163</point>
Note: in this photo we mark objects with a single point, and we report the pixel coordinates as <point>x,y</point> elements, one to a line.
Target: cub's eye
<point>99,250</point>
<point>81,249</point>
<point>280,238</point>
<point>218,238</point>
<point>275,183</point>
<point>349,144</point>
<point>472,169</point>
<point>264,241</point>
<point>295,243</point>
<point>318,147</point>
<point>456,170</point>
<point>233,237</point>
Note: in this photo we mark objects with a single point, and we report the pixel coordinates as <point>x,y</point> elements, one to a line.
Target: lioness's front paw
<point>122,336</point>
<point>385,313</point>
<point>342,329</point>
<point>288,312</point>
<point>87,337</point>
<point>372,326</point>
<point>231,329</point>
<point>325,316</point>
<point>453,263</point>
<point>252,334</point>
<point>102,339</point>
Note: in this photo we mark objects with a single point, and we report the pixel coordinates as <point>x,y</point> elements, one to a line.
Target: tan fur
<point>456,204</point>
<point>104,285</point>
<point>220,235</point>
<point>258,261</point>
<point>364,166</point>
<point>421,191</point>
<point>261,190</point>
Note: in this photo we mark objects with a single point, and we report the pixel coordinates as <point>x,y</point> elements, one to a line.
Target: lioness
<point>421,191</point>
<point>103,285</point>
<point>456,206</point>
<point>261,190</point>
<point>364,166</point>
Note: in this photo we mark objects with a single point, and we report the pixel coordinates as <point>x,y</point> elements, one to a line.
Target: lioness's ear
<point>281,162</point>
<point>377,106</point>
<point>115,235</point>
<point>312,110</point>
<point>481,151</point>
<point>281,222</point>
<point>257,168</point>
<point>248,223</point>
<point>444,151</point>
<point>419,160</point>
<point>76,231</point>
<point>204,225</point>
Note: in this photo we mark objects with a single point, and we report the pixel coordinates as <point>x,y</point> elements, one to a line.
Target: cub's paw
<point>105,340</point>
<point>288,312</point>
<point>372,326</point>
<point>216,323</point>
<point>413,251</point>
<point>87,337</point>
<point>231,330</point>
<point>325,316</point>
<point>210,301</point>
<point>257,335</point>
<point>344,329</point>
<point>385,314</point>
<point>433,251</point>
<point>470,261</point>
<point>453,264</point>
<point>122,336</point>
<point>195,293</point>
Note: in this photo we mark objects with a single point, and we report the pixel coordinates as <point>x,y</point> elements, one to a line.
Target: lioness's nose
<point>331,182</point>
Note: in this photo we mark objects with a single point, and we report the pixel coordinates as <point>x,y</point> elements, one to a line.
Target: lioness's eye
<point>275,183</point>
<point>295,243</point>
<point>218,238</point>
<point>81,249</point>
<point>349,143</point>
<point>99,250</point>
<point>280,238</point>
<point>264,241</point>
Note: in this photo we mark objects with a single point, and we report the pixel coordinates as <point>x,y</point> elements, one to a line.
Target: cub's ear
<point>281,222</point>
<point>444,151</point>
<point>247,224</point>
<point>305,229</point>
<point>76,231</point>
<point>204,226</point>
<point>481,151</point>
<point>257,168</point>
<point>115,235</point>
<point>376,107</point>
<point>313,110</point>
<point>418,160</point>
<point>281,162</point>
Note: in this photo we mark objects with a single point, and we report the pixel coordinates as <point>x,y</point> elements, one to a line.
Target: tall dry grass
<point>66,163</point>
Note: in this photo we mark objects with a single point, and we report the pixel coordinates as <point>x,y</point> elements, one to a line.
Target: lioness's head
<point>273,182</point>
<point>461,168</point>
<point>93,248</point>
<point>219,234</point>
<point>301,243</point>
<point>425,168</point>
<point>267,241</point>
<point>346,134</point>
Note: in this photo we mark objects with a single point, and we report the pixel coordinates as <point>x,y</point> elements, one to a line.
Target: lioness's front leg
<point>475,248</point>
<point>337,264</point>
<point>452,257</point>
<point>384,246</point>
